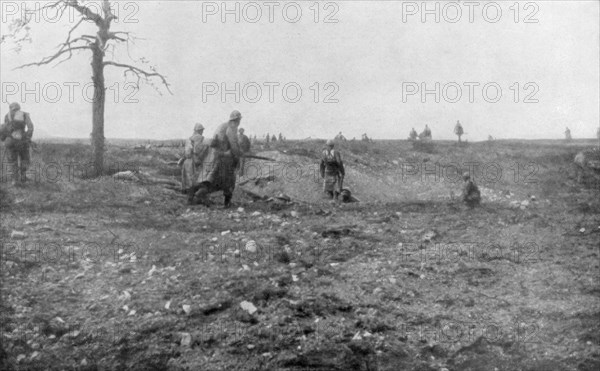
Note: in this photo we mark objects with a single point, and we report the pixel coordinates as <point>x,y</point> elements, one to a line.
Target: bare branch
<point>139,73</point>
<point>51,58</point>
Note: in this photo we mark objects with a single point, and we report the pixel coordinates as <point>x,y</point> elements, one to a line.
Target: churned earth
<point>119,273</point>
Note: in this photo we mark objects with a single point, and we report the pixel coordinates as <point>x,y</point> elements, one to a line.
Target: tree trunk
<point>98,110</point>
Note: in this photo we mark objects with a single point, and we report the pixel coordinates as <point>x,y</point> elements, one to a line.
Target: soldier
<point>268,138</point>
<point>413,135</point>
<point>470,195</point>
<point>280,137</point>
<point>332,171</point>
<point>195,151</point>
<point>17,141</point>
<point>245,147</point>
<point>220,164</point>
<point>568,135</point>
<point>427,132</point>
<point>273,138</point>
<point>458,130</point>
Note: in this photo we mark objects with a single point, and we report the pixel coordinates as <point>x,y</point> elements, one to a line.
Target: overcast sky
<point>365,58</point>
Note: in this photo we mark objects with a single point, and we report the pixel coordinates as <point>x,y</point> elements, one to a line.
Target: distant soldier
<point>340,137</point>
<point>427,133</point>
<point>195,151</point>
<point>332,171</point>
<point>245,147</point>
<point>268,138</point>
<point>221,162</point>
<point>413,135</point>
<point>458,130</point>
<point>568,135</point>
<point>17,141</point>
<point>280,137</point>
<point>273,138</point>
<point>490,138</point>
<point>470,194</point>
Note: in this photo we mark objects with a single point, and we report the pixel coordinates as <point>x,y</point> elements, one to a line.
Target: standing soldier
<point>17,141</point>
<point>427,132</point>
<point>568,135</point>
<point>413,135</point>
<point>220,164</point>
<point>195,151</point>
<point>458,130</point>
<point>332,171</point>
<point>245,147</point>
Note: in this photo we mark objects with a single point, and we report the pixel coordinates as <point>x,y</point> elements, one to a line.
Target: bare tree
<point>98,45</point>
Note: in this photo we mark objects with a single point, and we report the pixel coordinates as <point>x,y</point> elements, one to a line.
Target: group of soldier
<point>208,165</point>
<point>273,138</point>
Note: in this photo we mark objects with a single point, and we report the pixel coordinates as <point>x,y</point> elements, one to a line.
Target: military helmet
<point>198,127</point>
<point>330,142</point>
<point>235,115</point>
<point>14,106</point>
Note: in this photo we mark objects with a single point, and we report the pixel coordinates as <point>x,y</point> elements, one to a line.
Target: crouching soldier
<point>470,195</point>
<point>332,171</point>
<point>17,141</point>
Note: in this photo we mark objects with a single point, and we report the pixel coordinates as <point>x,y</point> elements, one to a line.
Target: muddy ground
<point>113,274</point>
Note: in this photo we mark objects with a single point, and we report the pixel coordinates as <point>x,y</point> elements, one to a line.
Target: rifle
<point>249,155</point>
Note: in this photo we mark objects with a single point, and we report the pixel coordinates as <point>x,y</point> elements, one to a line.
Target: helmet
<point>235,115</point>
<point>330,142</point>
<point>14,106</point>
<point>466,176</point>
<point>198,127</point>
<point>241,130</point>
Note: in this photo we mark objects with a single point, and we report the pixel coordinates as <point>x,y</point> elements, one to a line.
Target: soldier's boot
<point>227,201</point>
<point>190,193</point>
<point>23,174</point>
<point>15,173</point>
<point>201,195</point>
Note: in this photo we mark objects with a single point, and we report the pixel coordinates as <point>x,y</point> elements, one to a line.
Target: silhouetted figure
<point>413,135</point>
<point>568,135</point>
<point>458,130</point>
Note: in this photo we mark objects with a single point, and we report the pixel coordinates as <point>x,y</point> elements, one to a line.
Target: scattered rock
<point>251,246</point>
<point>429,236</point>
<point>248,307</point>
<point>17,235</point>
<point>187,308</point>
<point>186,339</point>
